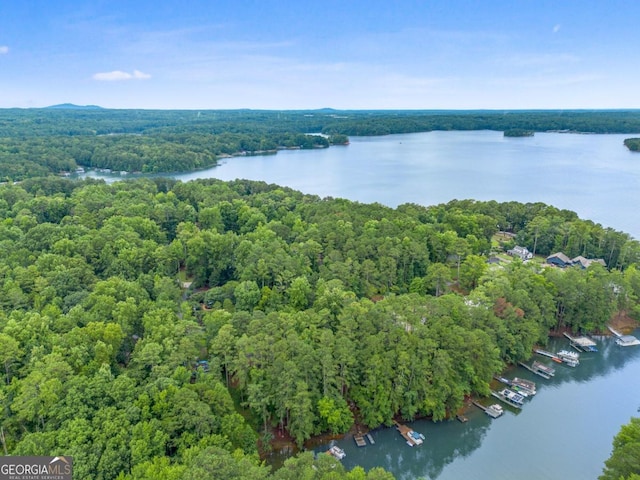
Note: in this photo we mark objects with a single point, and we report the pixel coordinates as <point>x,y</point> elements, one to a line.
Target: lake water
<point>563,432</point>
<point>593,175</point>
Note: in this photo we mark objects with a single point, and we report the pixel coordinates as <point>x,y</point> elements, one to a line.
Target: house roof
<point>561,256</point>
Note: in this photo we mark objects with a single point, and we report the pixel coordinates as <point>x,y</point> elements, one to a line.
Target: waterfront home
<point>521,252</point>
<point>559,259</point>
<point>587,262</point>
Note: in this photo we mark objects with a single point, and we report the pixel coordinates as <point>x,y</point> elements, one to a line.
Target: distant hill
<point>71,106</point>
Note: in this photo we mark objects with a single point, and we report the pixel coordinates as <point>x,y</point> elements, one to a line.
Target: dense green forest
<point>312,314</point>
<point>632,144</point>
<point>36,142</point>
<point>518,132</point>
<point>624,463</point>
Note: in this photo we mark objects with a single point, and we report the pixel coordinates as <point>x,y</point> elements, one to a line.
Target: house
<point>559,259</point>
<point>587,262</point>
<point>521,252</point>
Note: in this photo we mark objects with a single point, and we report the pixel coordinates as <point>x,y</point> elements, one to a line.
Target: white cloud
<point>4,49</point>
<point>118,75</point>
<point>556,28</point>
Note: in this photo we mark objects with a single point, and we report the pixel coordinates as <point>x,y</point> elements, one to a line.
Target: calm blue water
<point>593,175</point>
<point>563,432</point>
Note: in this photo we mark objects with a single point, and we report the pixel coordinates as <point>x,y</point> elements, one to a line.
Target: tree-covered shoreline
<point>37,142</point>
<point>632,144</point>
<point>316,312</point>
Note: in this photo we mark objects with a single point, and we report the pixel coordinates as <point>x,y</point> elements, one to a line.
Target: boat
<point>509,397</point>
<point>494,411</point>
<point>418,438</point>
<point>570,358</point>
<point>522,386</point>
<point>541,367</point>
<point>337,452</point>
<point>522,390</point>
<point>411,436</point>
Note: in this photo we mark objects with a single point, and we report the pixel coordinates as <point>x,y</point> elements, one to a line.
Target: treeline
<point>624,462</point>
<point>22,158</point>
<point>70,122</point>
<point>314,313</point>
<point>37,142</point>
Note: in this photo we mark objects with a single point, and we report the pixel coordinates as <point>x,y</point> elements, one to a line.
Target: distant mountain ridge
<point>71,106</point>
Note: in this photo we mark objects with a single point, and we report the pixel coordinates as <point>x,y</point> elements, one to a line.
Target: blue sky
<point>348,54</point>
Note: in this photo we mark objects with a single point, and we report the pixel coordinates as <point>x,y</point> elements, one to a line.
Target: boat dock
<point>509,397</point>
<point>412,437</point>
<point>494,411</point>
<point>360,441</point>
<point>541,367</point>
<point>523,390</point>
<point>535,369</point>
<point>582,344</point>
<point>552,356</point>
<point>522,385</point>
<point>624,340</point>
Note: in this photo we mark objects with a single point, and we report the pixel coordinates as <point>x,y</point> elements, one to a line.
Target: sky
<point>346,54</point>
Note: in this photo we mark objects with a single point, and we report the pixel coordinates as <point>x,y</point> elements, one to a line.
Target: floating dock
<point>552,356</point>
<point>360,441</point>
<point>494,411</point>
<point>522,385</point>
<point>582,344</point>
<point>509,397</point>
<point>539,369</point>
<point>412,437</point>
<point>525,392</point>
<point>624,340</point>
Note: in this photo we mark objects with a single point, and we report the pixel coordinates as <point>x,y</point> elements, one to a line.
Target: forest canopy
<point>309,313</point>
<point>632,144</point>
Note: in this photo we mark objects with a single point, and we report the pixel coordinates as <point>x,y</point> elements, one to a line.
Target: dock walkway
<point>552,356</point>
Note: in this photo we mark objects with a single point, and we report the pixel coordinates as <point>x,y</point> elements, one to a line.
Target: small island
<point>632,144</point>
<point>518,132</point>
